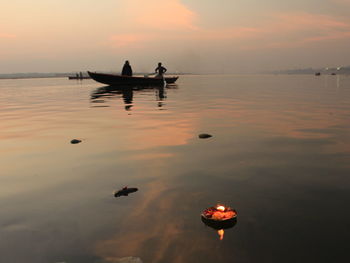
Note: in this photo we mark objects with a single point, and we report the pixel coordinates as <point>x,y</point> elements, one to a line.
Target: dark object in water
<point>111,79</point>
<point>125,191</point>
<point>333,74</point>
<point>204,136</point>
<point>75,141</point>
<point>317,74</point>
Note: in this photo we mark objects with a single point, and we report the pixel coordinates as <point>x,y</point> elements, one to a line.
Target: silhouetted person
<point>127,71</point>
<point>160,70</point>
<point>80,75</point>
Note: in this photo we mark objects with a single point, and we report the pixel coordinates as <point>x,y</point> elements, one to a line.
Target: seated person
<point>127,71</point>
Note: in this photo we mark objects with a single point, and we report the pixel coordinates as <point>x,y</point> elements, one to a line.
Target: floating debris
<point>204,136</point>
<point>75,141</point>
<point>125,191</point>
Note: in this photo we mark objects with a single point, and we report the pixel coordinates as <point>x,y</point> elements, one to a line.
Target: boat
<point>111,79</point>
<point>75,77</point>
<point>318,74</point>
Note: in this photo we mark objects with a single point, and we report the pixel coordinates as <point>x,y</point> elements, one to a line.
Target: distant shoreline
<point>66,75</point>
<point>63,75</point>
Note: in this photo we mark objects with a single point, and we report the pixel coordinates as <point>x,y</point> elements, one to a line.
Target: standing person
<point>161,70</point>
<point>127,71</point>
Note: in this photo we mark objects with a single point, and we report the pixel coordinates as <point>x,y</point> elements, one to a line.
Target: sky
<point>195,36</point>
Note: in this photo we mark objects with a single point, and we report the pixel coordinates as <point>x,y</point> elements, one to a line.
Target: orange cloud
<point>153,20</point>
<point>304,21</point>
<point>166,15</point>
<point>282,30</point>
<point>7,36</point>
<point>128,40</point>
<point>172,21</point>
<point>292,30</point>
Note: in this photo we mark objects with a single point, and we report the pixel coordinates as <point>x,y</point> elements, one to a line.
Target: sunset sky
<point>199,36</point>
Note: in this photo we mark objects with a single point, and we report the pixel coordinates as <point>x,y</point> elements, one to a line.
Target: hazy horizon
<point>187,36</point>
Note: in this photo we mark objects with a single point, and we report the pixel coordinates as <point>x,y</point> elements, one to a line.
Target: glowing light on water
<point>221,234</point>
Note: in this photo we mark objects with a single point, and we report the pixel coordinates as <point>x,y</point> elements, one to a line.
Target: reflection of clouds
<point>160,229</point>
<point>153,226</point>
<point>164,132</point>
<point>150,156</point>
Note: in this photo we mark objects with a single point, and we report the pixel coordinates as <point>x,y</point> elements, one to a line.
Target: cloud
<point>304,21</point>
<point>2,35</point>
<point>128,40</point>
<point>280,30</point>
<point>152,21</point>
<point>298,29</point>
<point>285,30</point>
<point>346,2</point>
<point>165,15</point>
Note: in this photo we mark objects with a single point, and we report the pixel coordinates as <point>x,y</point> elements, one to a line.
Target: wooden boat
<point>111,79</point>
<point>75,77</point>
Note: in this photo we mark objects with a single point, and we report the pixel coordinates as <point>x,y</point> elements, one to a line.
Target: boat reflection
<point>127,94</point>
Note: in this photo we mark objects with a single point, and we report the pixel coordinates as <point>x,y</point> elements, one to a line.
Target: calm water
<point>279,155</point>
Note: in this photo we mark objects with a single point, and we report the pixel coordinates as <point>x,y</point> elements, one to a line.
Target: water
<point>279,155</point>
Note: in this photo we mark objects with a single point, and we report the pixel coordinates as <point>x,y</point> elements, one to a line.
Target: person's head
<point>127,62</point>
<point>159,64</point>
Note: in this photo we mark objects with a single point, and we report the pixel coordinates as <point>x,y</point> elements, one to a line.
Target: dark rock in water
<point>125,191</point>
<point>75,141</point>
<point>204,136</point>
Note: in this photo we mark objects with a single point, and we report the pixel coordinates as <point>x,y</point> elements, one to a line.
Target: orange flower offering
<point>219,213</point>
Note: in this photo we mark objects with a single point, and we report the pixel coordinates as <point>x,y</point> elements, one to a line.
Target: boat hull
<point>114,80</point>
<point>70,77</point>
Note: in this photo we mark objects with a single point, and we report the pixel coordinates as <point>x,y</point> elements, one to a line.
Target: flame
<point>220,208</point>
<point>221,234</point>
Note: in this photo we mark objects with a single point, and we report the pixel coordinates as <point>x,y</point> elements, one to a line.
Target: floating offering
<point>219,218</point>
<point>75,141</point>
<point>125,191</point>
<point>204,136</point>
<point>219,213</point>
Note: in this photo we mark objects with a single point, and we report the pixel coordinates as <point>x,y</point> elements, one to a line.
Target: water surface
<point>279,155</point>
